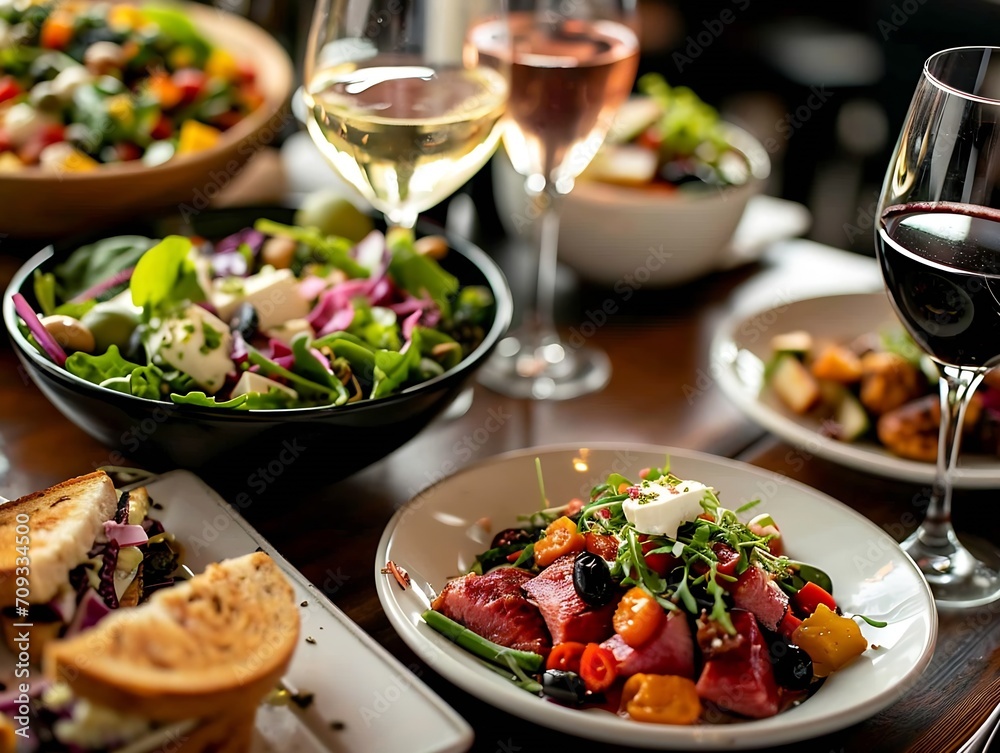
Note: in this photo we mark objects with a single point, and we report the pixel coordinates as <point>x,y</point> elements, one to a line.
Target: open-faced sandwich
<point>72,553</point>
<point>184,671</point>
<point>136,652</point>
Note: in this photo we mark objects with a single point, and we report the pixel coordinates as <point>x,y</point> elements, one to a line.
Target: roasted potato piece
<point>838,364</point>
<point>889,381</point>
<point>911,430</point>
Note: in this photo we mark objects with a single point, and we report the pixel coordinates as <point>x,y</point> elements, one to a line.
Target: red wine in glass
<point>941,265</point>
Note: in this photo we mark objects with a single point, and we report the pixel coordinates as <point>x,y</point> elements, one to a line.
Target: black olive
<point>565,687</point>
<point>511,536</point>
<point>245,321</point>
<point>793,667</point>
<point>592,579</point>
<point>135,350</point>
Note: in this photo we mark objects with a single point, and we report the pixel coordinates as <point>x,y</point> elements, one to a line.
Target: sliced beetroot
<point>567,616</point>
<point>742,680</point>
<point>670,652</point>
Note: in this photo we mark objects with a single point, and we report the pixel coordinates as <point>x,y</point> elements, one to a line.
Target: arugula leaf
<point>416,273</point>
<point>99,369</point>
<point>91,264</point>
<point>526,554</point>
<point>165,275</point>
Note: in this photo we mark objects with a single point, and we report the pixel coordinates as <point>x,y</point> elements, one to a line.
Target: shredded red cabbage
<point>103,286</point>
<point>42,336</point>
<point>339,322</point>
<point>107,575</point>
<point>124,534</point>
<point>410,323</point>
<point>91,610</point>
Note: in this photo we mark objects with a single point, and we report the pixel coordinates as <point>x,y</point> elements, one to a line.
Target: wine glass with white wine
<point>397,103</point>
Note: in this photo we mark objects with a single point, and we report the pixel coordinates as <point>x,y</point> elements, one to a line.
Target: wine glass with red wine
<point>938,242</point>
<point>573,63</point>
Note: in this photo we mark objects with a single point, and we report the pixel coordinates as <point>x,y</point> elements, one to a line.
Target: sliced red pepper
<point>601,545</point>
<point>788,624</point>
<point>811,596</point>
<point>191,82</point>
<point>163,129</point>
<point>566,656</point>
<point>660,563</point>
<point>598,668</point>
<point>9,88</point>
<point>515,556</point>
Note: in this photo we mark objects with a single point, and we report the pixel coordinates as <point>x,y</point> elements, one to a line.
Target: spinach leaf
<point>166,275</point>
<point>92,264</point>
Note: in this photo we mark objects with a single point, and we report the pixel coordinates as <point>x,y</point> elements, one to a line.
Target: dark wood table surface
<point>662,392</point>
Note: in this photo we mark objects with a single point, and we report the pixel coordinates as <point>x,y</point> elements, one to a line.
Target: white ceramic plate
<point>743,344</point>
<point>382,706</point>
<point>436,537</point>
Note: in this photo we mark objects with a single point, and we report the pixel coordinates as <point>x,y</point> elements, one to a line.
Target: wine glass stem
<point>545,285</point>
<point>957,386</point>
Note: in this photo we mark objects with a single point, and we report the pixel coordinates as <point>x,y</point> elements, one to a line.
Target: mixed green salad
<point>275,316</point>
<point>668,138</point>
<point>85,83</point>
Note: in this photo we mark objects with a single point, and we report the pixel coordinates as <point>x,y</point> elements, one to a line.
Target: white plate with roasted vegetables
<point>663,596</point>
<point>838,376</point>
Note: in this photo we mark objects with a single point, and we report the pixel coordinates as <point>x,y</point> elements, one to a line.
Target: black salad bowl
<point>333,442</point>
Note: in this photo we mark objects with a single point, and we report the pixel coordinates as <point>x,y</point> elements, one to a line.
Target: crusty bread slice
<point>63,522</point>
<point>214,645</point>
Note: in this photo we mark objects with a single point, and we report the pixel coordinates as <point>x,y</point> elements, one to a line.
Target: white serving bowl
<point>610,232</point>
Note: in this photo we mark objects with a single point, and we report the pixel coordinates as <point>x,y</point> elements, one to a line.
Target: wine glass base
<point>960,574</point>
<point>544,368</point>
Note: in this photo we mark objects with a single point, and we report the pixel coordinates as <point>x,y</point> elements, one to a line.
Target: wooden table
<point>662,392</point>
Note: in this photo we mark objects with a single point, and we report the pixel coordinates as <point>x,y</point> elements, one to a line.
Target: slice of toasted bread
<point>62,523</point>
<point>214,645</point>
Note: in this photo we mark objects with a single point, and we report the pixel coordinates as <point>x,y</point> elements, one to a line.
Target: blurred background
<point>824,86</point>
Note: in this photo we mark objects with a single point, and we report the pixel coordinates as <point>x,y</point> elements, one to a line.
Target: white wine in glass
<point>396,104</point>
<point>572,66</point>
